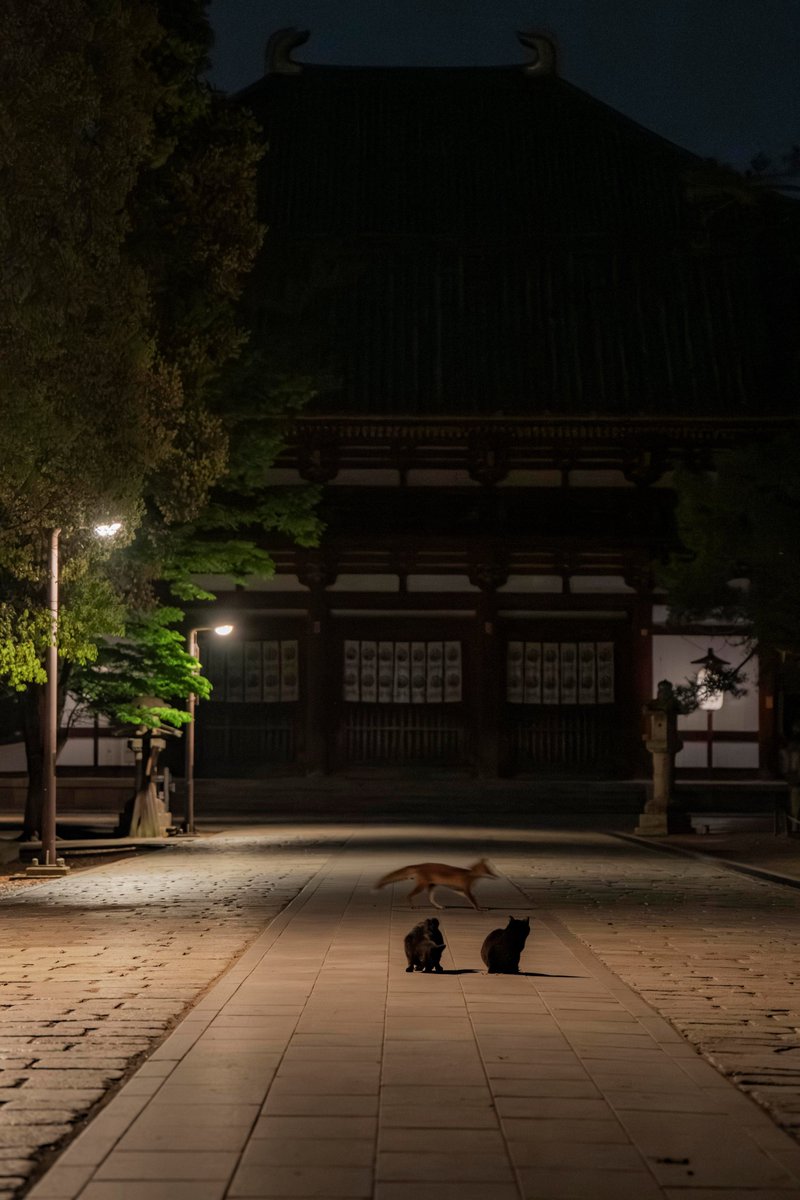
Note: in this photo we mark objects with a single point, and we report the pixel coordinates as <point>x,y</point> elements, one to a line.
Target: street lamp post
<point>50,730</point>
<point>192,649</point>
<point>51,865</point>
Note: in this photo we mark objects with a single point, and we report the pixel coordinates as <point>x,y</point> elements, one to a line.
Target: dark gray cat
<point>424,945</point>
<point>502,947</point>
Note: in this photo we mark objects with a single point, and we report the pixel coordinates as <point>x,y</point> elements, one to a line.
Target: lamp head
<point>108,530</point>
<point>223,630</point>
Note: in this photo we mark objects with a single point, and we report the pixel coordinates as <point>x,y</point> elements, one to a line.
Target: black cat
<point>424,946</point>
<point>502,947</point>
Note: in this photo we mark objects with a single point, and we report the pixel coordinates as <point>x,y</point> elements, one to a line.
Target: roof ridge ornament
<point>544,57</point>
<point>278,53</point>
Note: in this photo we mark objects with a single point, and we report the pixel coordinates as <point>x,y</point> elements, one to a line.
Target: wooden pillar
<point>642,682</point>
<point>487,681</point>
<point>317,748</point>
<point>640,688</point>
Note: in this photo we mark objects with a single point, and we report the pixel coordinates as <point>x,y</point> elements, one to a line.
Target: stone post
<point>661,740</point>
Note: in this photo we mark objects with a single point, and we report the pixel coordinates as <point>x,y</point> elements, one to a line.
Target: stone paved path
<point>317,1067</point>
<point>96,967</point>
<point>715,952</point>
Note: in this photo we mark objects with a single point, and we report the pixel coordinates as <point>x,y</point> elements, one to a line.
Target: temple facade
<point>523,320</point>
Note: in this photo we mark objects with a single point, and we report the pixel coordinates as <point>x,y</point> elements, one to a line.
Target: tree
<point>150,660</point>
<point>740,563</point>
<point>738,521</point>
<point>127,226</point>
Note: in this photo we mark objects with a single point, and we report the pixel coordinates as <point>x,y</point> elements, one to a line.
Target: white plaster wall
<point>426,477</point>
<point>672,659</point>
<point>112,752</point>
<point>78,752</point>
<point>605,479</point>
<point>533,583</point>
<point>522,478</point>
<point>608,584</point>
<point>366,583</point>
<point>255,583</point>
<point>440,583</point>
<point>368,477</point>
<point>739,755</point>
<point>661,616</point>
<point>12,758</point>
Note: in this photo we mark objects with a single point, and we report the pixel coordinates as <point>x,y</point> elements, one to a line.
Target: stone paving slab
<point>96,967</point>
<point>317,1066</point>
<point>716,953</point>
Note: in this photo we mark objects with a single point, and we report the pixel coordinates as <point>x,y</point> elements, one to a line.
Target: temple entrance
<point>403,700</point>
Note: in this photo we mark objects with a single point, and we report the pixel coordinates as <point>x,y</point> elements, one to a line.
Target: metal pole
<point>188,822</point>
<point>709,740</point>
<point>50,730</point>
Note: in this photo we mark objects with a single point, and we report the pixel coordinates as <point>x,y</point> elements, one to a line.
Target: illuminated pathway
<point>318,1067</point>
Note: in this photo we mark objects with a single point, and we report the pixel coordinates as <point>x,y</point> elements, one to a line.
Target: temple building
<point>521,315</point>
<point>527,321</point>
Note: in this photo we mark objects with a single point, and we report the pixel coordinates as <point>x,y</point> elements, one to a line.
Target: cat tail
<point>395,876</point>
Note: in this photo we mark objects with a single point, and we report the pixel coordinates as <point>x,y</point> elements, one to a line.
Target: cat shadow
<point>461,971</point>
<point>539,974</point>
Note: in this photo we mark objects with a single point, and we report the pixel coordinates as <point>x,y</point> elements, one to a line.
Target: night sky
<point>720,77</point>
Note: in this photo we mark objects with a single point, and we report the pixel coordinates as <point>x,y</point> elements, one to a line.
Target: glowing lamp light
<point>708,701</point>
<point>107,531</point>
<point>710,665</point>
<point>223,630</point>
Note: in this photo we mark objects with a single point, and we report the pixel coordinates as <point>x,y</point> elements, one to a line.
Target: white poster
<point>569,673</point>
<point>252,671</point>
<point>350,688</point>
<point>452,672</point>
<point>532,669</point>
<point>418,672</point>
<point>402,673</point>
<point>271,671</point>
<point>435,688</point>
<point>514,662</point>
<point>369,672</point>
<point>290,682</point>
<point>385,672</point>
<point>551,663</point>
<point>587,673</point>
<point>605,672</point>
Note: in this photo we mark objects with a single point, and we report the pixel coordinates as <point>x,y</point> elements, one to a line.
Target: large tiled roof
<point>498,242</point>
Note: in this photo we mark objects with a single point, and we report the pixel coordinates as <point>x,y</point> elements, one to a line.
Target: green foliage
<point>127,226</point>
<point>740,527</point>
<point>23,636</point>
<point>150,660</point>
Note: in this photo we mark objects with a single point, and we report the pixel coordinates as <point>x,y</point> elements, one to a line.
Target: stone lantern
<point>661,740</point>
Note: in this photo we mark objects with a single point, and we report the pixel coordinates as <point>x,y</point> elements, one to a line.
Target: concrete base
<point>47,871</point>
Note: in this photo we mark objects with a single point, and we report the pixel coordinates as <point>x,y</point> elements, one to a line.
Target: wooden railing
<point>402,734</point>
<point>231,747</point>
<point>562,738</point>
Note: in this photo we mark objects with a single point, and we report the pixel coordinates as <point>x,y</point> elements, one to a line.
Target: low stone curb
<point>711,859</point>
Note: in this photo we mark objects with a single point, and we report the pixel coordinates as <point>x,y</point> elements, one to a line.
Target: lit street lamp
<point>191,647</point>
<point>50,730</point>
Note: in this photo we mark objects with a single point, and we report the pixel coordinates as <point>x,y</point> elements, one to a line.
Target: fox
<point>429,876</point>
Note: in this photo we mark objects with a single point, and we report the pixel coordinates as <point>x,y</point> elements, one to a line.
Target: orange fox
<point>432,875</point>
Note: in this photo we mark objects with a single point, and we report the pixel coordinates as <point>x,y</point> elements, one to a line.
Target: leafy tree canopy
<point>740,529</point>
<point>128,223</point>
